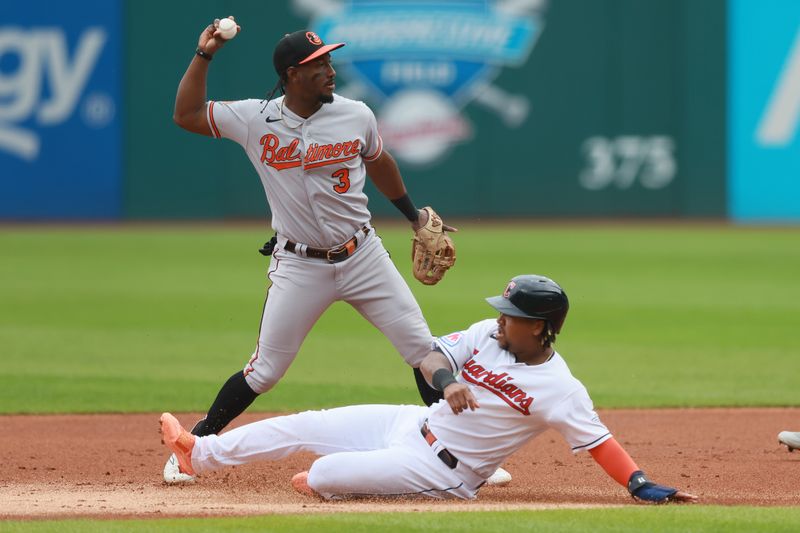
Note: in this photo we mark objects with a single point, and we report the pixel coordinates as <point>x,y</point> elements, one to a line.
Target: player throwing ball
<point>313,150</point>
<point>510,385</point>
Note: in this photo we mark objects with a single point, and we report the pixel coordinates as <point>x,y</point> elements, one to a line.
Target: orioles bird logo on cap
<point>313,38</point>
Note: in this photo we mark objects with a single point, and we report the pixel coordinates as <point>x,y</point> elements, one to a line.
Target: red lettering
<point>319,155</point>
<point>499,384</point>
<point>477,370</point>
<point>343,175</point>
<point>279,157</point>
<point>508,388</point>
<point>269,141</point>
<point>494,378</point>
<point>517,394</point>
<point>526,404</point>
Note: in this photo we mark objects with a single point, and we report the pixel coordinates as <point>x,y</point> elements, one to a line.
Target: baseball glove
<point>432,251</point>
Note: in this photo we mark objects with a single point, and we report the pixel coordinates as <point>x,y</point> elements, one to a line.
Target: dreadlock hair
<point>548,335</point>
<point>279,85</point>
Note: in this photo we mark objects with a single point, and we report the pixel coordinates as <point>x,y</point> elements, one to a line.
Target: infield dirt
<point>106,466</point>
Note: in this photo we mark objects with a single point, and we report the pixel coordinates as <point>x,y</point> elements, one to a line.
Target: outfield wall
<point>560,108</point>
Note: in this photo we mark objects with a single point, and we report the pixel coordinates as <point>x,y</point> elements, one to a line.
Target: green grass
<point>148,318</point>
<point>696,519</point>
<point>143,319</point>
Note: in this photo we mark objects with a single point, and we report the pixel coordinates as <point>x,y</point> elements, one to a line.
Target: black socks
<point>233,398</point>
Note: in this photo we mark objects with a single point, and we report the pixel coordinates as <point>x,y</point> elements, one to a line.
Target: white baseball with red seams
<point>379,449</point>
<point>313,173</point>
<point>227,28</point>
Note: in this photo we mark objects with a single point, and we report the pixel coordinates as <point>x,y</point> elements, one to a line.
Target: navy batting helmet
<point>532,296</point>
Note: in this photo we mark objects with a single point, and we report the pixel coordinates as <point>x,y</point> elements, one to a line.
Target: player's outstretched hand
<point>459,397</point>
<point>684,497</point>
<point>210,40</point>
<point>642,489</point>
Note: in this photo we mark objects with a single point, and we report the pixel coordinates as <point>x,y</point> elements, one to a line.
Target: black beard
<point>326,99</point>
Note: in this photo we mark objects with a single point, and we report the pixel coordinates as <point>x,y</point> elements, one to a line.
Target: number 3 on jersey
<point>343,175</point>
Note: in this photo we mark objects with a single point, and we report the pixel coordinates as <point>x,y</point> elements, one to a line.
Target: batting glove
<point>643,489</point>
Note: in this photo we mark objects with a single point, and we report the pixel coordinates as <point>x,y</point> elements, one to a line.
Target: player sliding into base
<point>313,151</point>
<point>510,385</point>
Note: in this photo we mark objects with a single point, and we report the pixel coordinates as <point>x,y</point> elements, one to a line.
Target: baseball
<point>227,28</point>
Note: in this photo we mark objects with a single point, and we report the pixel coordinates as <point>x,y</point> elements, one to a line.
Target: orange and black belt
<point>447,458</point>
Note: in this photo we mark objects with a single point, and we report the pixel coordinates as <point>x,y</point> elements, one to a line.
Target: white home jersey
<point>517,402</point>
<point>312,169</point>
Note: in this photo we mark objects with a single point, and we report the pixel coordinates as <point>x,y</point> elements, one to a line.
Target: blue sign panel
<point>764,112</point>
<point>60,69</point>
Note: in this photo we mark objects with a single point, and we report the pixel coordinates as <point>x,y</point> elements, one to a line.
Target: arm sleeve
<point>577,421</point>
<point>614,460</point>
<point>373,144</point>
<point>229,119</point>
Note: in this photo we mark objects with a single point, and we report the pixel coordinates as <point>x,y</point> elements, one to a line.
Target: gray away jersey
<point>312,169</point>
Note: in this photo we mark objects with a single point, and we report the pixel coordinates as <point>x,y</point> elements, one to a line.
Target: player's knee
<point>321,478</point>
<point>258,382</point>
<point>262,373</point>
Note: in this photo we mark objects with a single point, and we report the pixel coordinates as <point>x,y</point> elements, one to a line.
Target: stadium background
<point>566,112</point>
<point>567,108</point>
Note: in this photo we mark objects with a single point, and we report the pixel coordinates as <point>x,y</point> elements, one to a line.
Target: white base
<point>173,474</point>
<point>500,478</point>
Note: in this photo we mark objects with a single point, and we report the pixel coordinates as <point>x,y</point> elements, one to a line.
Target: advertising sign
<point>764,144</point>
<point>423,62</point>
<point>60,70</point>
<point>509,108</point>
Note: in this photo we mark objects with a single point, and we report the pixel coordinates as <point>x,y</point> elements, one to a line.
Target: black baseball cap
<point>298,48</point>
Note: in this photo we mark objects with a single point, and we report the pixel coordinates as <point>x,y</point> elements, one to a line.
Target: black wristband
<point>442,378</point>
<point>406,206</point>
<point>203,54</point>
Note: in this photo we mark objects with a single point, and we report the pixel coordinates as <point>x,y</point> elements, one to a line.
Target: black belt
<point>446,457</point>
<point>332,255</point>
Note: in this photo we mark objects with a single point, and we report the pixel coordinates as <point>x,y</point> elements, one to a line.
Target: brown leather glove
<point>432,251</point>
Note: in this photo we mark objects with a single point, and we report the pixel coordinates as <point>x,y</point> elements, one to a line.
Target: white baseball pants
<point>303,288</point>
<point>368,450</point>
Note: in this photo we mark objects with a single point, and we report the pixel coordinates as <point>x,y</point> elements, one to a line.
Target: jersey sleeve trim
<point>450,359</point>
<point>378,152</point>
<point>596,442</point>
<point>211,122</point>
